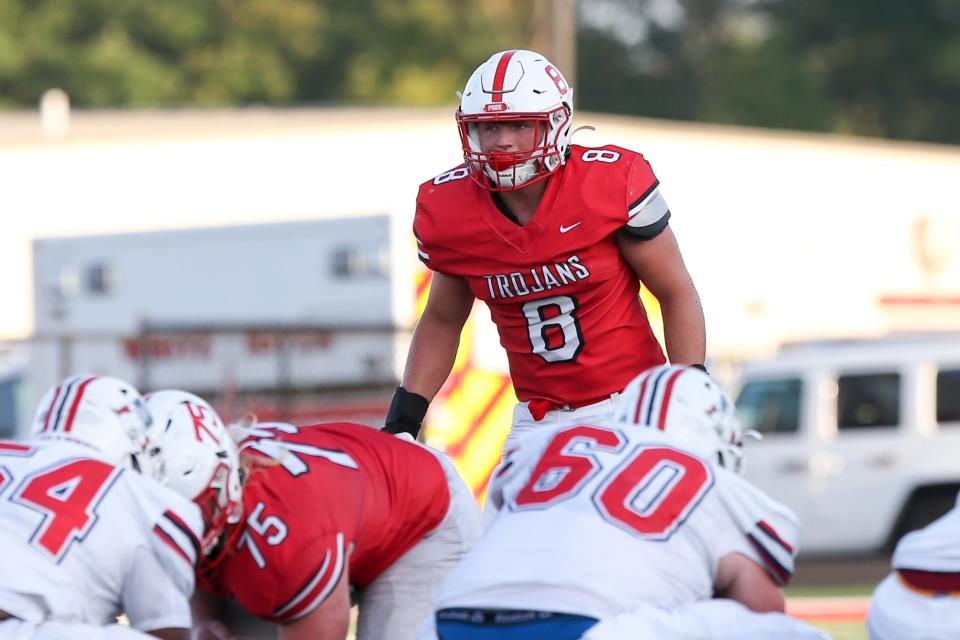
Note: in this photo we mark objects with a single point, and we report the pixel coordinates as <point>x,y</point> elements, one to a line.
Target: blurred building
<point>788,236</point>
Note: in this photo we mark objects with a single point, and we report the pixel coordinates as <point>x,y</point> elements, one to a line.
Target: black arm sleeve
<point>406,413</point>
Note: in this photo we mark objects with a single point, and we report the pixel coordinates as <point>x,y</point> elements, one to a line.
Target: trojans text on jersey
<point>536,279</point>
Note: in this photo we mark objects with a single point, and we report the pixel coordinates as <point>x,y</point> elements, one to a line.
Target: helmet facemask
<point>507,170</point>
<point>217,506</point>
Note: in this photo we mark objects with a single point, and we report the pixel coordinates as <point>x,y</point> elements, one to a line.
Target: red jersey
<point>564,300</point>
<point>327,497</point>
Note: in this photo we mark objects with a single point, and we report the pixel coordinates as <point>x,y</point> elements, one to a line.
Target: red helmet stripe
<point>53,403</point>
<point>500,75</point>
<point>665,403</point>
<point>640,398</point>
<point>67,388</point>
<point>76,403</point>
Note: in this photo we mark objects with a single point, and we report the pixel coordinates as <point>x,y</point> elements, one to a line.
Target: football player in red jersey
<point>328,510</point>
<point>555,238</point>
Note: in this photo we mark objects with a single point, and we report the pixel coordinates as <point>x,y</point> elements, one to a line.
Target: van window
<point>868,401</point>
<point>770,406</point>
<point>948,395</point>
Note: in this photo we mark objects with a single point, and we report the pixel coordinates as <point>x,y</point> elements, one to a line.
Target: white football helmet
<point>198,458</point>
<point>103,413</point>
<point>688,404</point>
<point>511,86</point>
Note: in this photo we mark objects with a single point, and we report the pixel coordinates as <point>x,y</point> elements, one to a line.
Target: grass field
<point>845,630</point>
<point>839,594</point>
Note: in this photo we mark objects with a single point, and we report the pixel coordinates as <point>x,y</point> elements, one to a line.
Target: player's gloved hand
<point>406,413</point>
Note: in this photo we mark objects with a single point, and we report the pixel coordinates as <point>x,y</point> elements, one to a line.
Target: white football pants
<point>395,605</point>
<point>523,421</point>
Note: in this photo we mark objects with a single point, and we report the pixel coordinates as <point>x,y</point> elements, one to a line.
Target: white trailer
<point>272,318</point>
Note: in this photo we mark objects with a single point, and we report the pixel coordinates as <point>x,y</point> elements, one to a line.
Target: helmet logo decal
<point>495,107</point>
<point>558,80</point>
<point>200,416</point>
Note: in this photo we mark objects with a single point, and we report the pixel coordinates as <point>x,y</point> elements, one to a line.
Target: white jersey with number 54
<point>596,519</point>
<point>84,540</point>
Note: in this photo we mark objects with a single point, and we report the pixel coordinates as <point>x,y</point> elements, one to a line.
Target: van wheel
<point>925,505</point>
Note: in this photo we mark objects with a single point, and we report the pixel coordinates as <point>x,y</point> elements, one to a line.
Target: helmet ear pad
<point>513,86</point>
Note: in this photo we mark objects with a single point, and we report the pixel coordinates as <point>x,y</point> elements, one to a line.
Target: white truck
<point>861,437</point>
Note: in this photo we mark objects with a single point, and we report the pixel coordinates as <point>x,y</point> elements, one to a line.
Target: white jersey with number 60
<point>596,519</point>
<point>84,540</point>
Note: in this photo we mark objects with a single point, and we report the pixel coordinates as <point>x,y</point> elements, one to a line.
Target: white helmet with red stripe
<point>512,86</point>
<point>691,406</point>
<point>198,458</point>
<point>103,413</point>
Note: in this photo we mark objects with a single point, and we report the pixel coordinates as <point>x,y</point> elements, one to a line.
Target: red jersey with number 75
<point>322,500</point>
<point>565,302</point>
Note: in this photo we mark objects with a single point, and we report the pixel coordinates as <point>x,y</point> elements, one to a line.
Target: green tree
<point>891,68</point>
<point>714,61</point>
<point>145,53</point>
<point>859,66</point>
<point>417,52</point>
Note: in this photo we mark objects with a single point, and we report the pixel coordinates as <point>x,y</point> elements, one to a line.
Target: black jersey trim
<point>648,232</point>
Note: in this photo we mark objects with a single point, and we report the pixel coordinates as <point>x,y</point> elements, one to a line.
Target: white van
<point>861,437</point>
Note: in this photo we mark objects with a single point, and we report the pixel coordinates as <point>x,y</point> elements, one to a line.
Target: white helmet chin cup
<point>691,406</point>
<point>103,413</point>
<point>516,176</point>
<point>516,85</point>
<point>199,459</point>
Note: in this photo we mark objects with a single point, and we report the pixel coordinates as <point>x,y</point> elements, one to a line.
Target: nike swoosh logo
<point>564,229</point>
